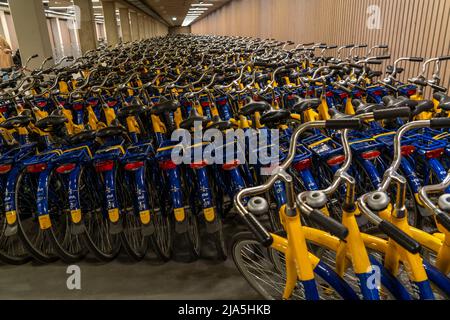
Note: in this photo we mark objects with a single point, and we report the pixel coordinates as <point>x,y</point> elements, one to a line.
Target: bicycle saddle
<point>51,123</point>
<point>194,117</point>
<point>218,124</point>
<point>305,104</point>
<point>444,100</point>
<point>82,137</point>
<point>133,110</point>
<point>111,132</point>
<point>362,108</point>
<point>254,106</point>
<point>391,102</point>
<point>275,117</point>
<point>336,115</point>
<point>17,122</point>
<point>423,106</point>
<point>165,106</point>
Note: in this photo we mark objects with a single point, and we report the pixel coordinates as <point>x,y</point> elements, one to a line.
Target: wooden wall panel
<point>409,27</point>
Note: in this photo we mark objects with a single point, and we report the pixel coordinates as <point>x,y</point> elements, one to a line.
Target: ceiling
<point>169,9</point>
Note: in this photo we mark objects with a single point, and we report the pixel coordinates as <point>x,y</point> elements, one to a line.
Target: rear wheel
<point>36,240</point>
<point>12,250</point>
<point>264,270</point>
<point>104,245</point>
<point>133,240</point>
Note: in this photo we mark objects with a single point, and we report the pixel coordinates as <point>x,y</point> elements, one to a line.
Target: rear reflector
<point>408,150</point>
<point>230,165</point>
<point>370,155</point>
<point>167,165</point>
<point>433,154</point>
<point>66,168</point>
<point>5,168</point>
<point>132,166</point>
<point>103,166</point>
<point>198,165</point>
<point>336,160</point>
<point>302,165</point>
<point>36,168</point>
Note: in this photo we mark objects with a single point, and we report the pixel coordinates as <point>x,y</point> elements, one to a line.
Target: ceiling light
<point>174,18</point>
<point>202,5</point>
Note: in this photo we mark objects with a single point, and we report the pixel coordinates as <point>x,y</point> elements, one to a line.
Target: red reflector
<point>302,165</point>
<point>103,166</point>
<point>378,93</point>
<point>167,165</point>
<point>408,150</point>
<point>42,104</point>
<point>343,95</point>
<point>36,168</point>
<point>111,103</point>
<point>370,155</point>
<point>65,168</point>
<point>5,168</point>
<point>230,165</point>
<point>329,94</point>
<point>132,166</point>
<point>412,92</point>
<point>198,165</point>
<point>310,92</point>
<point>222,102</point>
<point>3,109</point>
<point>93,102</point>
<point>77,106</point>
<point>434,153</point>
<point>336,160</point>
<point>205,104</point>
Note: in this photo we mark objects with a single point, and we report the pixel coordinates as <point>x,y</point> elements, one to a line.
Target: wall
<point>179,30</point>
<point>410,27</point>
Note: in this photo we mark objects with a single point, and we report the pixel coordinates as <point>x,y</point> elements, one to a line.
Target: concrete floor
<point>201,280</point>
<point>204,279</point>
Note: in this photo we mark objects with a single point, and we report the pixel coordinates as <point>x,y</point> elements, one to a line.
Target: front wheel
<point>264,270</point>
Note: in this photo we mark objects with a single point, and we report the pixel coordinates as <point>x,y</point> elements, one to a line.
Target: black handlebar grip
<point>444,58</point>
<point>361,46</point>
<point>375,62</point>
<point>415,59</point>
<point>444,220</point>
<point>438,88</point>
<point>344,124</point>
<point>261,234</point>
<point>331,47</point>
<point>386,57</point>
<point>400,237</point>
<point>308,44</point>
<point>329,224</point>
<point>440,123</point>
<point>356,66</point>
<point>383,46</point>
<point>349,46</point>
<point>34,56</point>
<point>388,114</point>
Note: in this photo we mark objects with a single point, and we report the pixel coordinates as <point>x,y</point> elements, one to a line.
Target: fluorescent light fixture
<point>202,5</point>
<point>174,18</point>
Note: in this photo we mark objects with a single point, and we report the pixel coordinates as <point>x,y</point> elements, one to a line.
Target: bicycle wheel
<point>12,250</point>
<point>68,245</point>
<point>96,236</point>
<point>134,242</point>
<point>161,241</point>
<point>264,270</point>
<point>36,240</point>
